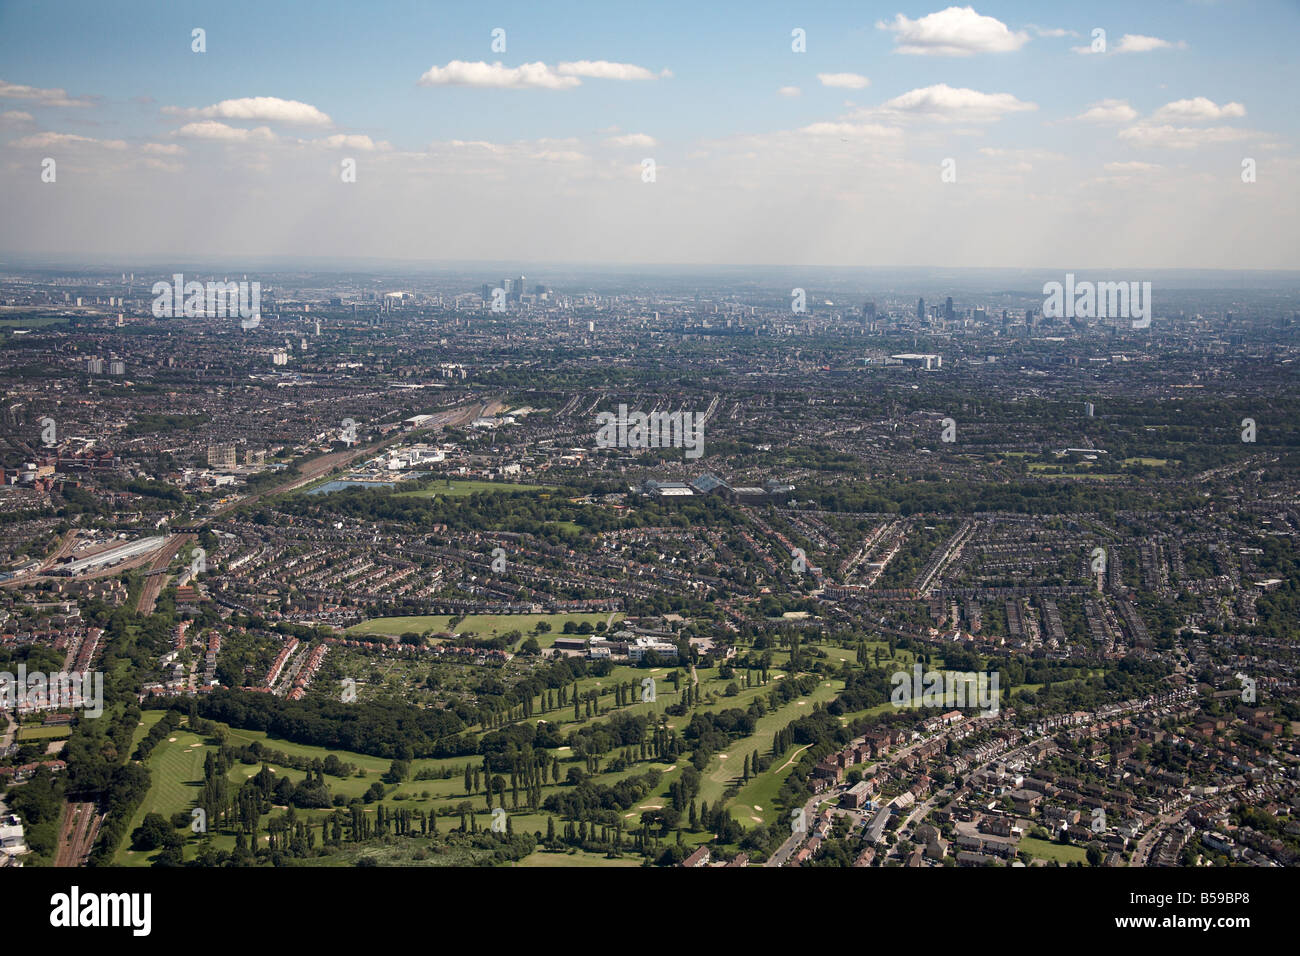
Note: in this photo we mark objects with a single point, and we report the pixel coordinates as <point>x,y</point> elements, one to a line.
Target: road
<point>1142,852</point>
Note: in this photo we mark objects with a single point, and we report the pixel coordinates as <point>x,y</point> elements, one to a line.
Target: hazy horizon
<point>1103,136</point>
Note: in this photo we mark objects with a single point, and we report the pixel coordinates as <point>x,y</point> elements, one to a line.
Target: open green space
<point>457,488</point>
<point>1060,852</point>
<point>481,625</point>
<point>43,733</point>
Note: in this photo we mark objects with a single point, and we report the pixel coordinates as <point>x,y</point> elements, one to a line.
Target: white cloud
<point>956,31</point>
<point>789,91</point>
<point>845,130</point>
<point>351,141</point>
<point>1132,167</point>
<point>1023,155</point>
<point>211,129</point>
<point>947,104</point>
<point>263,109</point>
<point>560,156</point>
<point>477,144</point>
<point>1052,31</point>
<point>43,97</point>
<point>605,70</point>
<point>632,139</point>
<point>1196,110</point>
<point>1181,137</point>
<point>163,149</point>
<point>1109,111</point>
<point>847,81</point>
<point>16,117</point>
<point>55,140</point>
<point>1136,43</point>
<point>496,76</point>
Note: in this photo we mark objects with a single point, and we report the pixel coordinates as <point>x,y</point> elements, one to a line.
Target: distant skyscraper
<point>869,311</point>
<point>920,309</point>
<point>947,309</point>
<point>1087,407</point>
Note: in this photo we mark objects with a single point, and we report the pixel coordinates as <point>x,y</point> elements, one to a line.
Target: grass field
<point>481,625</point>
<point>574,858</point>
<point>1043,850</point>
<point>459,488</point>
<point>43,733</point>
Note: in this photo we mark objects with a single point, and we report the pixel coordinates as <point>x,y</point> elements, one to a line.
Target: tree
<point>153,832</point>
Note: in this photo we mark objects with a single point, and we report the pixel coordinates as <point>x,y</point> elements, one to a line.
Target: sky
<point>1004,134</point>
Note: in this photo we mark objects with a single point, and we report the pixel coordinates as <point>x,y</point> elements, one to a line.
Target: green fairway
<point>728,767</point>
<point>176,769</point>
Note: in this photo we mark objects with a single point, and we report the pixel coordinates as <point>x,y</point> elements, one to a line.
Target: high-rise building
<point>920,309</point>
<point>95,365</point>
<point>869,311</point>
<point>947,309</point>
<point>116,367</point>
<point>222,455</point>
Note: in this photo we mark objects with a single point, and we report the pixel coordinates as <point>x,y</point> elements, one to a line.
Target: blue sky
<point>733,141</point>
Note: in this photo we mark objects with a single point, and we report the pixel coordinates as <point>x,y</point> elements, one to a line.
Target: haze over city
<point>917,136</point>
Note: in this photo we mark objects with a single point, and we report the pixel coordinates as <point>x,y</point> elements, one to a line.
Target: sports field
<point>482,625</point>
